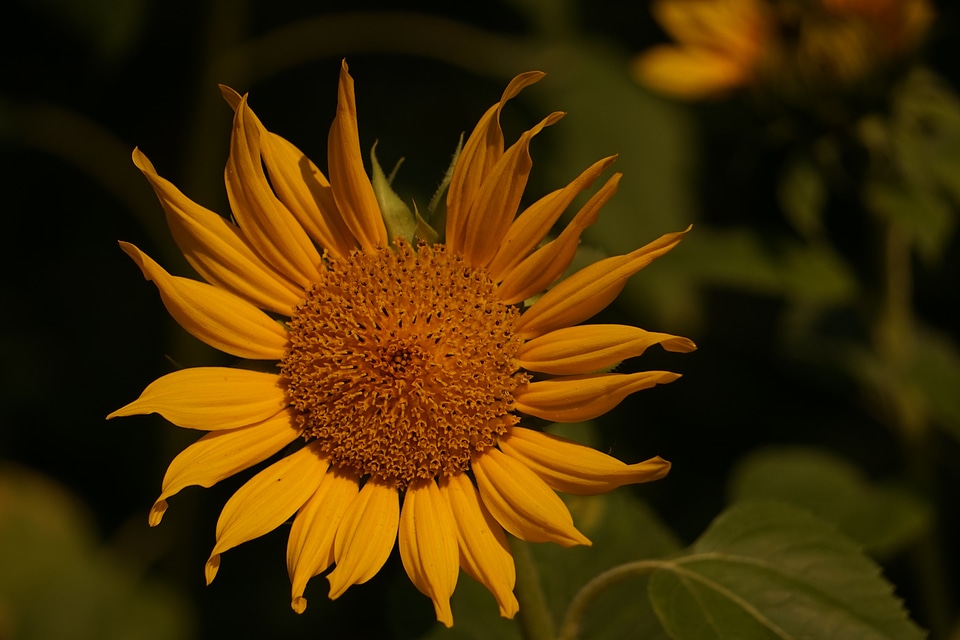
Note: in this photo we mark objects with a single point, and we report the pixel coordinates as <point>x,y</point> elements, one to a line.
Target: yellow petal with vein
<point>365,537</point>
<point>484,551</point>
<point>579,398</point>
<point>547,264</point>
<point>489,219</point>
<point>266,501</point>
<point>532,225</point>
<point>523,503</point>
<point>428,546</point>
<point>310,545</point>
<point>265,222</point>
<point>213,246</point>
<point>571,467</point>
<point>210,398</point>
<point>480,153</point>
<point>591,347</point>
<point>221,454</point>
<point>591,289</point>
<point>218,318</point>
<point>351,186</point>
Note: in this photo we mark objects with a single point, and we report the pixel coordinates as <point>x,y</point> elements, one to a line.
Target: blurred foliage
<point>59,582</point>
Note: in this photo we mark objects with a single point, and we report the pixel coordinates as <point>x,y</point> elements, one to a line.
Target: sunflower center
<point>401,362</point>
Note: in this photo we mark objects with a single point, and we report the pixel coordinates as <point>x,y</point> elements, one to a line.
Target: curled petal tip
<point>210,569</point>
<point>156,512</point>
<point>299,604</point>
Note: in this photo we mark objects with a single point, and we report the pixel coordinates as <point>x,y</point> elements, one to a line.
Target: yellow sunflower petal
<point>221,454</point>
<point>428,546</point>
<point>532,225</point>
<point>523,503</point>
<point>365,537</point>
<point>351,186</point>
<point>688,73</point>
<point>213,246</point>
<point>480,153</point>
<point>266,501</point>
<point>591,347</point>
<point>265,222</point>
<point>579,398</point>
<point>301,186</point>
<point>310,545</point>
<point>217,317</point>
<point>489,219</point>
<point>571,467</point>
<point>484,551</point>
<point>210,398</point>
<point>545,266</point>
<point>591,289</point>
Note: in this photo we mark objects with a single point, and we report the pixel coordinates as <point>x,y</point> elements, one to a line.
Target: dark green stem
<point>573,620</point>
<point>534,618</point>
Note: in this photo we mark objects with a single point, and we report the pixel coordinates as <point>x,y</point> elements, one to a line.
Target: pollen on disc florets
<point>401,362</point>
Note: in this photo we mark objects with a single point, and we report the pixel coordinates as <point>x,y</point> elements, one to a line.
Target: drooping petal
<point>265,222</point>
<point>301,186</point>
<point>547,264</point>
<point>351,186</point>
<point>591,289</point>
<point>266,501</point>
<point>428,546</point>
<point>221,454</point>
<point>532,225</point>
<point>365,537</point>
<point>480,153</point>
<point>310,545</point>
<point>489,219</point>
<point>523,503</point>
<point>484,551</point>
<point>571,467</point>
<point>218,318</point>
<point>210,398</point>
<point>213,246</point>
<point>579,398</point>
<point>591,347</point>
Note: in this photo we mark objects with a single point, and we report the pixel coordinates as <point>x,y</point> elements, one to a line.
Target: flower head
<point>405,366</point>
<point>723,45</point>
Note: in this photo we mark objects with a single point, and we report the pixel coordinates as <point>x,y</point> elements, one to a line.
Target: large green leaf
<point>772,572</point>
<point>882,518</point>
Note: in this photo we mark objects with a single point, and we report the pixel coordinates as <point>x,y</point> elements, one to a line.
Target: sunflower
<point>405,359</point>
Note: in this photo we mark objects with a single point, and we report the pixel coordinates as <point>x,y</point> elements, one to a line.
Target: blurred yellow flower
<point>720,44</point>
<point>785,46</point>
<point>404,367</point>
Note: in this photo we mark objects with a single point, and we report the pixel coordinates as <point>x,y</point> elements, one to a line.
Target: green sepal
<point>399,220</point>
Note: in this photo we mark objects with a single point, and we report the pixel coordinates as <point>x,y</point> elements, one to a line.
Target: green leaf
<point>884,519</point>
<point>802,196</point>
<point>741,259</point>
<point>57,582</point>
<point>773,572</point>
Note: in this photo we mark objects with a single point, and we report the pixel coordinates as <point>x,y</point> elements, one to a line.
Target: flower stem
<point>578,606</point>
<point>895,336</point>
<point>534,617</point>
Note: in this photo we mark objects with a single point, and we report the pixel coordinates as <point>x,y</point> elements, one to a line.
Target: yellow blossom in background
<point>720,44</point>
<point>783,46</point>
<point>404,367</point>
